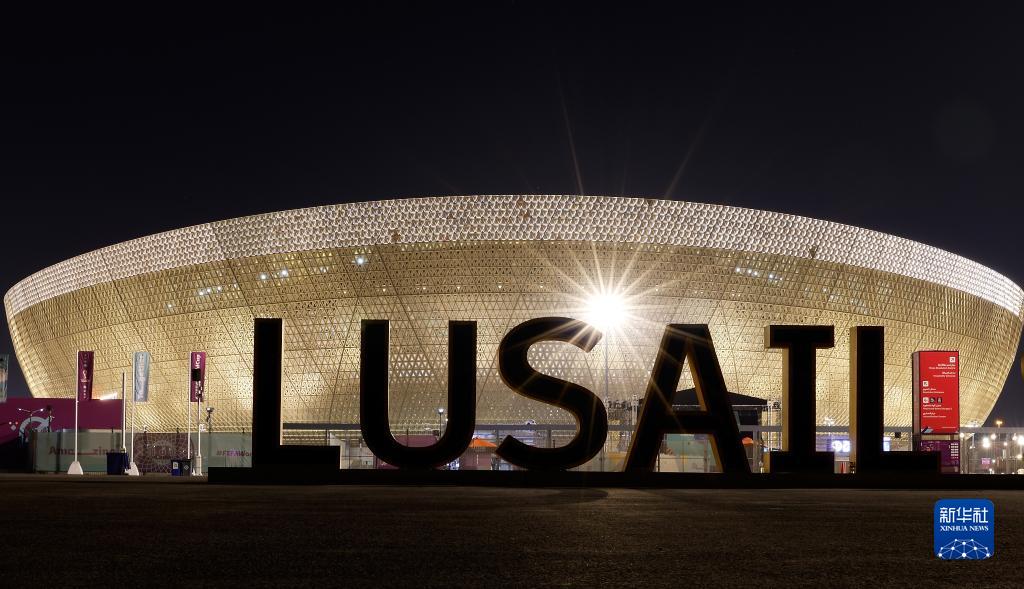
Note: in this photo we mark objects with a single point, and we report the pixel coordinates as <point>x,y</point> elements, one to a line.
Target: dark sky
<point>904,118</point>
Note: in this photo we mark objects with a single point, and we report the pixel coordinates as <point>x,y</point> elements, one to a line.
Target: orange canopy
<point>478,443</point>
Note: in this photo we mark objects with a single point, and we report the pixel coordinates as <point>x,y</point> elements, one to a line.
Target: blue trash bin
<point>117,462</point>
<point>181,467</point>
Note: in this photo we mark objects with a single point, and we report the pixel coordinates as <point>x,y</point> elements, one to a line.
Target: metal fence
<point>983,450</point>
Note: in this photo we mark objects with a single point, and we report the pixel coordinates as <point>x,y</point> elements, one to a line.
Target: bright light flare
<point>607,311</point>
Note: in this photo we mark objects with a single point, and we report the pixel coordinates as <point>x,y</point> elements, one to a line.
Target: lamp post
<point>607,338</point>
<point>440,421</point>
<point>1002,454</point>
<point>607,312</point>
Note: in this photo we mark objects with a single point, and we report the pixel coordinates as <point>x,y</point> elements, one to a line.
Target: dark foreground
<point>160,531</point>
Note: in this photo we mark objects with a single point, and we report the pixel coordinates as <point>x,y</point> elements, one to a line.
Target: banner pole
<point>131,436</point>
<point>199,439</point>
<point>188,437</point>
<point>76,431</point>
<point>123,414</point>
<point>76,466</point>
<point>133,469</point>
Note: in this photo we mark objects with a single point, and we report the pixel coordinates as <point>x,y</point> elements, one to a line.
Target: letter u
<point>373,397</point>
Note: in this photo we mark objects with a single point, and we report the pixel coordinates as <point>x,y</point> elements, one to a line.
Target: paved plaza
<point>97,531</point>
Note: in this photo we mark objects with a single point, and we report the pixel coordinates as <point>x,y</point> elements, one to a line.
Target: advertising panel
<point>948,449</point>
<point>85,365</point>
<point>20,416</point>
<point>140,381</point>
<point>937,392</point>
<point>197,376</point>
<point>54,451</point>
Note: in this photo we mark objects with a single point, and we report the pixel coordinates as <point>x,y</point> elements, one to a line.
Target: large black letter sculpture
<point>867,361</point>
<point>590,414</point>
<point>267,451</point>
<point>799,344</point>
<point>373,398</point>
<point>658,417</point>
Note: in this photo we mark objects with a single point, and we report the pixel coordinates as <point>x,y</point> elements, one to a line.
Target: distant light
<point>109,397</point>
<point>986,443</point>
<point>440,410</point>
<point>263,276</point>
<point>284,273</point>
<point>360,260</point>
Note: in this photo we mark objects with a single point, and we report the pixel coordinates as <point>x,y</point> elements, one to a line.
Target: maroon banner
<point>937,392</point>
<point>85,365</point>
<point>21,415</point>
<point>197,376</point>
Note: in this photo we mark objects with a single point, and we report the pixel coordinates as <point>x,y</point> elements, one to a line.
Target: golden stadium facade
<point>500,260</point>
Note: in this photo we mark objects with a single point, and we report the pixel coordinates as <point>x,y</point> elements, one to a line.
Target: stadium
<point>629,265</point>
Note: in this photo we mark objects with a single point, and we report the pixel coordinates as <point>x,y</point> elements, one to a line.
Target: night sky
<point>902,118</point>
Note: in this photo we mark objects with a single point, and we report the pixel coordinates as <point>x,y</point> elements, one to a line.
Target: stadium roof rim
<point>518,217</point>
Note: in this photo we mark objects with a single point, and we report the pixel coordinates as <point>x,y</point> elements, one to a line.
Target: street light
<point>440,420</point>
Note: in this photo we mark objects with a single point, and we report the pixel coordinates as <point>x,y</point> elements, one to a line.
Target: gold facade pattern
<point>500,260</point>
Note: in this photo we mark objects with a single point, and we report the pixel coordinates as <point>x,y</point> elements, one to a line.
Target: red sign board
<point>937,392</point>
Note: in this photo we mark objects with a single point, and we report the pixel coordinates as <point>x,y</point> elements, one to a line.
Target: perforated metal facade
<point>500,260</point>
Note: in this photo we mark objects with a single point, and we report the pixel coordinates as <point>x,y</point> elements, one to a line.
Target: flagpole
<point>133,469</point>
<point>76,466</point>
<point>124,449</point>
<point>188,438</point>
<point>199,435</point>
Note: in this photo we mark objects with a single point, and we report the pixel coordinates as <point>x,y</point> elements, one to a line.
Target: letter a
<point>658,417</point>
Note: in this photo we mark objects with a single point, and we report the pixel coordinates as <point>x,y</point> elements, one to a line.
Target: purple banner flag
<point>197,376</point>
<point>85,362</point>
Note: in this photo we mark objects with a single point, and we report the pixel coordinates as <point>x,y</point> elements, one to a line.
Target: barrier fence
<point>983,450</point>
